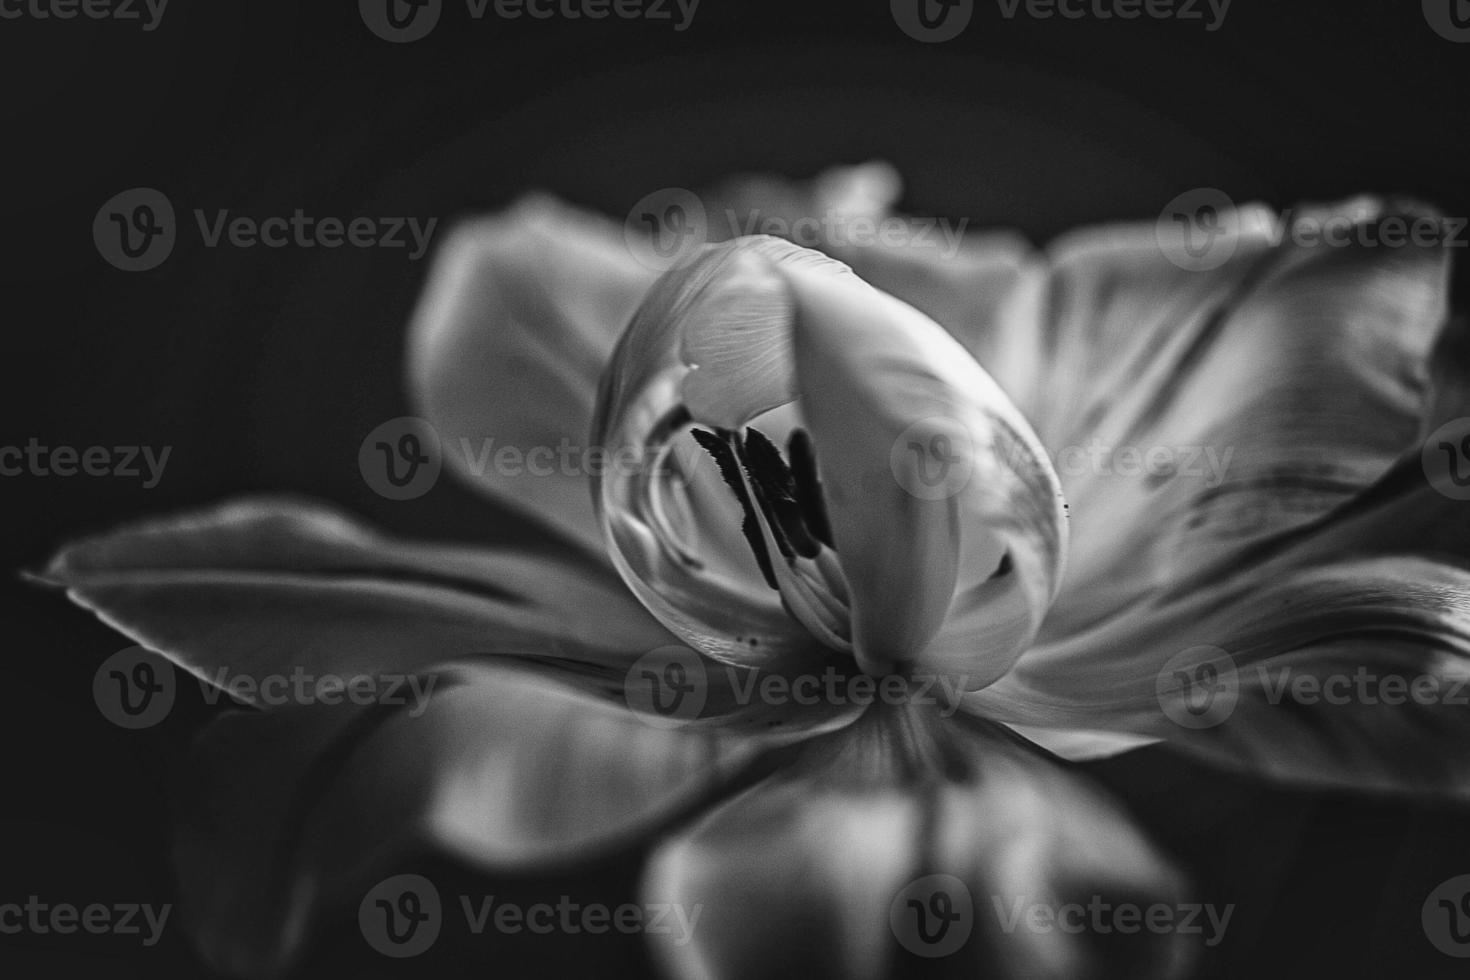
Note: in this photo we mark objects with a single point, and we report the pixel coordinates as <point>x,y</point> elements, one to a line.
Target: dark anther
<point>776,491</point>
<point>808,487</point>
<point>718,445</point>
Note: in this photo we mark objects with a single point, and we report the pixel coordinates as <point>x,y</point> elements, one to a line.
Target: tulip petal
<point>736,335</point>
<point>988,293</point>
<point>1273,397</point>
<point>516,323</point>
<point>757,204</point>
<point>1246,400</point>
<point>1306,674</point>
<point>829,863</point>
<point>286,815</point>
<point>947,517</point>
<point>264,587</point>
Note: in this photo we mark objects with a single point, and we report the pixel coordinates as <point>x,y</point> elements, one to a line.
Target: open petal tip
<point>265,588</point>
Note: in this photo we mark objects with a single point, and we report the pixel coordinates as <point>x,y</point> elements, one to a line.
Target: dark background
<point>264,369</point>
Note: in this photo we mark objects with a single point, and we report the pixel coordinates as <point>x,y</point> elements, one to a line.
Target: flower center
<point>782,506</point>
<point>725,541</point>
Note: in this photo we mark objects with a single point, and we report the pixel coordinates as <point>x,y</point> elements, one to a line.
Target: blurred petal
<point>1353,675</point>
<point>947,517</point>
<point>1271,391</point>
<point>765,203</point>
<point>822,862</point>
<point>262,587</point>
<point>810,873</point>
<point>517,320</point>
<point>287,814</point>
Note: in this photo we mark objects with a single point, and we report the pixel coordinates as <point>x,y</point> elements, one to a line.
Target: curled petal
<point>988,293</point>
<point>947,517</point>
<point>736,336</point>
<point>710,344</point>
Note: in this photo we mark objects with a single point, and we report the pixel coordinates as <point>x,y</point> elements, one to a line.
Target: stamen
<point>776,492</point>
<point>719,445</point>
<point>813,589</point>
<point>808,487</point>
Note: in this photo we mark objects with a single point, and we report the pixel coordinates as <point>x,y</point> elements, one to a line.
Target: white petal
<point>259,588</point>
<point>517,321</point>
<point>933,478</point>
<point>1270,390</point>
<point>736,331</point>
<point>1215,671</point>
<point>286,814</point>
<point>827,862</point>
